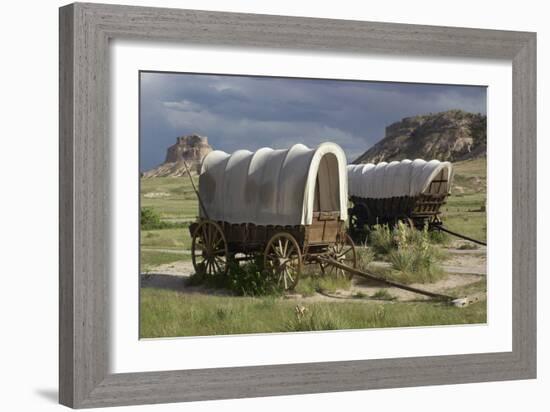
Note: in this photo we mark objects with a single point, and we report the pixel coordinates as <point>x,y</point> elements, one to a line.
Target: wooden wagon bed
<point>421,210</point>
<point>251,238</point>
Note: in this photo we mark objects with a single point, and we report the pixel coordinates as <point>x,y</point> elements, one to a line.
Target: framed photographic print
<point>258,205</point>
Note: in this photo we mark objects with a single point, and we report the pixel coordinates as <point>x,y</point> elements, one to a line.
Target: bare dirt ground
<point>463,266</point>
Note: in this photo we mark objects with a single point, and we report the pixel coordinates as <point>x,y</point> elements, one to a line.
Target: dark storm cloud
<point>240,112</point>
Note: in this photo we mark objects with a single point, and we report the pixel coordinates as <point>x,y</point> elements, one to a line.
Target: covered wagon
<point>386,193</point>
<point>283,206</point>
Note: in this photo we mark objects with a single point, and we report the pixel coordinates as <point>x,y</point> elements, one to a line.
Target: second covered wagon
<point>386,193</point>
<point>286,206</point>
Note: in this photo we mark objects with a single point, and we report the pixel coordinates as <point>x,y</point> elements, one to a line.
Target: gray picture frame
<point>85,32</point>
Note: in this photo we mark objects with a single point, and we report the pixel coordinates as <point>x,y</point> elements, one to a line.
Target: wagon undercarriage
<point>418,211</point>
<point>282,250</point>
<point>283,257</point>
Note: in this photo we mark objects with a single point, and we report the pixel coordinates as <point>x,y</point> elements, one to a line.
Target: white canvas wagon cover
<point>274,187</point>
<point>395,179</point>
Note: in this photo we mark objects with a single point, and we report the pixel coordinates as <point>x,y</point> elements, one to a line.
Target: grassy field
<point>172,197</point>
<point>149,259</point>
<point>177,238</point>
<point>166,313</point>
<point>176,202</point>
<point>465,209</point>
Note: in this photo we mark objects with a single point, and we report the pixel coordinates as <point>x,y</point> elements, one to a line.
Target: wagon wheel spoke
<point>342,251</point>
<point>291,251</point>
<point>220,261</point>
<point>215,263</point>
<point>216,240</point>
<point>288,272</point>
<point>200,245</point>
<point>283,259</point>
<point>284,277</point>
<point>209,249</point>
<point>281,250</point>
<point>205,234</point>
<point>211,239</point>
<point>345,252</point>
<point>272,257</point>
<point>214,237</point>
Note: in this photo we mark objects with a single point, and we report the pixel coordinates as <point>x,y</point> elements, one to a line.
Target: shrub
<point>365,255</point>
<point>150,219</point>
<point>243,280</point>
<point>439,237</point>
<point>416,266</point>
<point>250,280</point>
<point>360,295</point>
<point>381,239</point>
<point>415,259</point>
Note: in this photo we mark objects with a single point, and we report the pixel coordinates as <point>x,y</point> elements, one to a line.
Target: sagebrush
<point>415,259</point>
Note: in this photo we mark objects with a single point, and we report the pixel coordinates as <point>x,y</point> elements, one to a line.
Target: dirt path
<point>461,265</point>
<point>464,267</point>
<point>174,251</point>
<point>472,261</point>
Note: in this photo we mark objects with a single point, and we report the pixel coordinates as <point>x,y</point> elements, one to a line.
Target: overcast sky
<point>243,112</point>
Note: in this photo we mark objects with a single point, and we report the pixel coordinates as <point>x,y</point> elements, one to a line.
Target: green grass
<point>382,294</point>
<point>167,313</point>
<point>309,285</point>
<point>172,197</point>
<point>365,256</point>
<point>465,208</point>
<point>382,240</point>
<point>177,239</point>
<point>414,255</point>
<point>469,289</point>
<point>241,279</point>
<point>413,264</point>
<point>174,200</point>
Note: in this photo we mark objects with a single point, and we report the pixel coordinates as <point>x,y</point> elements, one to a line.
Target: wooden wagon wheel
<point>283,258</point>
<point>209,249</point>
<point>343,251</point>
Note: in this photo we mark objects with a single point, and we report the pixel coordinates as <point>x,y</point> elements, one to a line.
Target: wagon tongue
<point>459,302</point>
